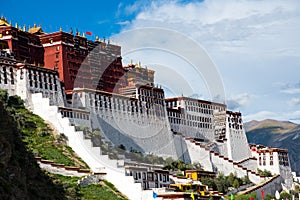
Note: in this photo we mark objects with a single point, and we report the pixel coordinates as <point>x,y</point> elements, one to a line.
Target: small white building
<point>148,177</point>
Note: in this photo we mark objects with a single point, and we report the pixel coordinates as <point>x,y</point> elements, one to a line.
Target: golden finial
<point>2,16</point>
<point>10,23</point>
<point>97,38</point>
<point>139,64</point>
<point>16,25</point>
<point>24,28</point>
<point>34,25</point>
<point>130,61</point>
<point>71,31</point>
<point>60,29</point>
<point>83,34</point>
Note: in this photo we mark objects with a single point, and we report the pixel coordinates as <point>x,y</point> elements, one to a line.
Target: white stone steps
<point>91,155</point>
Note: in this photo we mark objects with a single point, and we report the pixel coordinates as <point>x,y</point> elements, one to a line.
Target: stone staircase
<point>61,169</point>
<point>220,163</point>
<point>114,169</point>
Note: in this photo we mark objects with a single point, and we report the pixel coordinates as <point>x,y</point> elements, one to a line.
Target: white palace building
<point>141,118</point>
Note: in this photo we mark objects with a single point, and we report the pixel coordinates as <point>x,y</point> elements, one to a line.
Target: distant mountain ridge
<point>279,134</point>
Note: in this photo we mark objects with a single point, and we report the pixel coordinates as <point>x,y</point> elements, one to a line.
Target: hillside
<point>280,134</point>
<point>23,136</point>
<point>20,175</point>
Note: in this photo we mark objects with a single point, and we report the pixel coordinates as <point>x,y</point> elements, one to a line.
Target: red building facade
<point>26,46</point>
<point>81,62</point>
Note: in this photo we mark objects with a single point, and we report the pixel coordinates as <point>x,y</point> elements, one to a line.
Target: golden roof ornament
<point>97,38</point>
<point>3,22</point>
<point>60,29</point>
<point>24,28</point>
<point>71,31</point>
<point>130,61</point>
<point>16,25</point>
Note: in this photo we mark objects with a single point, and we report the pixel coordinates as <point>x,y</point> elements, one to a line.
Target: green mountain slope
<point>280,134</point>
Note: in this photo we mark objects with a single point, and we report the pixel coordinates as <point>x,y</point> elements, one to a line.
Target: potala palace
<point>72,82</point>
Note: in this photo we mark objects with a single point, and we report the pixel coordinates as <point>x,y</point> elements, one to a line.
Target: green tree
<point>264,173</point>
<point>269,197</point>
<point>246,196</point>
<point>230,178</point>
<point>210,182</point>
<point>222,184</point>
<point>246,180</point>
<point>284,195</point>
<point>236,183</point>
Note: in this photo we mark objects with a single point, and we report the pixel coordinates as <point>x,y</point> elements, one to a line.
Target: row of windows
<point>205,106</point>
<point>199,110</point>
<point>234,119</point>
<point>151,100</point>
<point>236,126</point>
<point>7,75</point>
<point>189,117</point>
<point>190,123</point>
<point>77,115</point>
<point>262,160</point>
<point>198,118</point>
<point>150,176</point>
<point>174,114</point>
<point>283,159</point>
<point>41,80</point>
<point>127,108</point>
<point>151,93</point>
<point>171,104</point>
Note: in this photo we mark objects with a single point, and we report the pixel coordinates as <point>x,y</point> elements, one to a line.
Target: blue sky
<point>254,44</point>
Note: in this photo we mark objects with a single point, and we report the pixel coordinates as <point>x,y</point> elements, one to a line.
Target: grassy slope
<point>33,137</point>
<point>103,190</point>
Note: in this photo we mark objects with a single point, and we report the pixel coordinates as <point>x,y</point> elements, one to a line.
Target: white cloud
<point>294,101</point>
<point>260,116</point>
<point>291,88</point>
<point>123,22</point>
<point>253,43</point>
<point>282,116</point>
<point>238,101</point>
<point>233,25</point>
